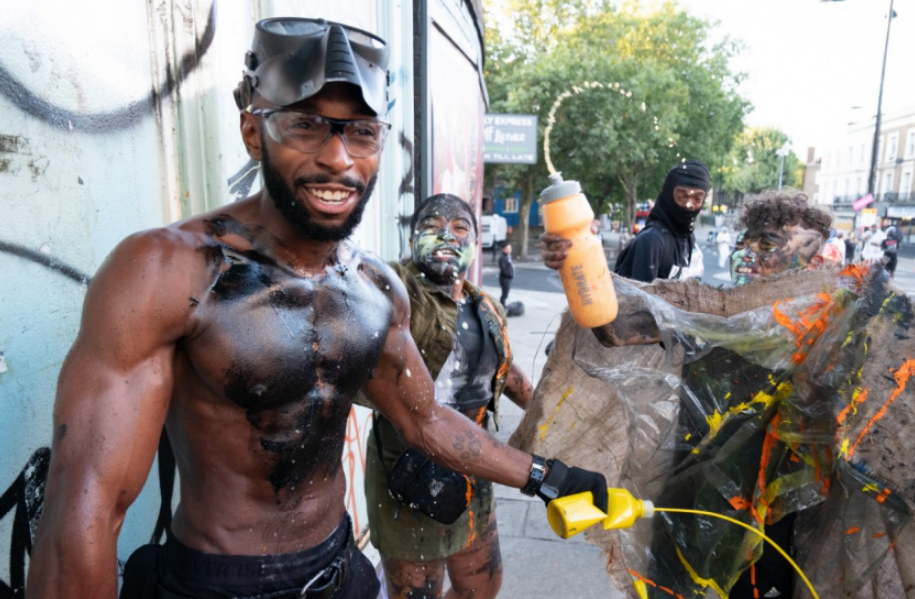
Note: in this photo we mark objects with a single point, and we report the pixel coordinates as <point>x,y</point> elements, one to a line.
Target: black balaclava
<point>680,221</point>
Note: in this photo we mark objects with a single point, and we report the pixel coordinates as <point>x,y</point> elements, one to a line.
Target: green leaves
<point>753,164</point>
<point>645,88</point>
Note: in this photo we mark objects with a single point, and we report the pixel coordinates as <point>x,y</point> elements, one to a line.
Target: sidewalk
<point>537,563</point>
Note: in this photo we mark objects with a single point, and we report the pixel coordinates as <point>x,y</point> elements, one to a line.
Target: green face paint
<point>444,242</point>
<point>771,251</point>
<point>738,274</point>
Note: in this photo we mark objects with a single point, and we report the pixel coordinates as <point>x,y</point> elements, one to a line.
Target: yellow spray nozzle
<point>572,514</point>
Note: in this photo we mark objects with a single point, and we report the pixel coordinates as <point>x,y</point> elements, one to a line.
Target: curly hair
<point>784,209</point>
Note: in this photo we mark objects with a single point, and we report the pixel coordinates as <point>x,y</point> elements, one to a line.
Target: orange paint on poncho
<point>857,398</point>
<point>809,324</point>
<point>902,376</point>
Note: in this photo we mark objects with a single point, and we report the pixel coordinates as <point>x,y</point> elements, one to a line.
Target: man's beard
<point>298,216</point>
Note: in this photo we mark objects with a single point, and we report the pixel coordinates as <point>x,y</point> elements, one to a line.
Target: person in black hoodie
<point>890,247</point>
<point>663,249</point>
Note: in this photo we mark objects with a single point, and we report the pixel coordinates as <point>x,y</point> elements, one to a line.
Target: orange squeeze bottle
<point>585,275</point>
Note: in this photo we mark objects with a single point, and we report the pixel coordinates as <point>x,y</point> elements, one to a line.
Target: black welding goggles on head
<point>292,59</point>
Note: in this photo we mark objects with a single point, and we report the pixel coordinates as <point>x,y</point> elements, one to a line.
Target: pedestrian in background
<point>850,246</point>
<point>506,272</point>
<point>724,246</point>
<point>871,246</point>
<point>890,247</point>
<point>834,248</point>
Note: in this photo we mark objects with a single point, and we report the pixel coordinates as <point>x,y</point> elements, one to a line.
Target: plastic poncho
<point>800,405</point>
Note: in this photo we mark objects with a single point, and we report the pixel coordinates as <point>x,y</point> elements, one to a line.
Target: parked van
<point>495,230</point>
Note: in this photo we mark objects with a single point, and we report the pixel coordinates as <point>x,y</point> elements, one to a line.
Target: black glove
<point>561,480</point>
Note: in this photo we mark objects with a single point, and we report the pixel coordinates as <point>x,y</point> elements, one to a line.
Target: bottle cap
<point>647,508</point>
<point>559,189</point>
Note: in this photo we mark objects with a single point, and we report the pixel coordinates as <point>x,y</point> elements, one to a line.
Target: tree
<point>515,72</point>
<point>753,164</point>
<point>640,89</point>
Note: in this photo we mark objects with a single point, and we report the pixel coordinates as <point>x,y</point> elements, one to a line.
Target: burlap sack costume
<point>789,395</point>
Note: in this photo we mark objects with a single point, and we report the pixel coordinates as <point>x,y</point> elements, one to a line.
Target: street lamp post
<point>781,153</point>
<point>872,176</point>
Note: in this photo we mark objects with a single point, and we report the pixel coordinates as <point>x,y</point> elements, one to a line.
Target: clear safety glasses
<point>309,133</point>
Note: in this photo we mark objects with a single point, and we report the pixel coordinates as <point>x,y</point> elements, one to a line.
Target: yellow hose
<point>748,527</point>
<point>572,514</point>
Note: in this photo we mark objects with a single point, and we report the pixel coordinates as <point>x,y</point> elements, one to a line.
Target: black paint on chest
<point>296,350</point>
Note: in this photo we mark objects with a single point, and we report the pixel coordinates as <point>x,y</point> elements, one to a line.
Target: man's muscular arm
<point>112,398</point>
<point>403,391</point>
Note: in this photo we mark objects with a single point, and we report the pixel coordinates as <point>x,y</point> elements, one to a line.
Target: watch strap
<point>538,470</point>
<point>554,482</point>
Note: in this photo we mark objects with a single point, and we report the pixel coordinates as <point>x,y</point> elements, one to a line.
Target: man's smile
<point>331,199</point>
<point>445,253</point>
<point>746,271</point>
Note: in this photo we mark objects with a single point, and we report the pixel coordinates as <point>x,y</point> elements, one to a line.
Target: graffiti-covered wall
<point>118,116</point>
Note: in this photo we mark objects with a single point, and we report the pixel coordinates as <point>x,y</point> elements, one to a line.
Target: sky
<point>812,66</point>
<point>809,62</point>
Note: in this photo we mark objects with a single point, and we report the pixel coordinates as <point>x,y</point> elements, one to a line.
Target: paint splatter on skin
<point>444,242</point>
<point>489,564</point>
<point>474,571</point>
<point>290,349</point>
<point>772,250</point>
<point>414,580</point>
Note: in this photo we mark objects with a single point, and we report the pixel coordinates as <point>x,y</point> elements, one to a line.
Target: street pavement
<point>536,562</point>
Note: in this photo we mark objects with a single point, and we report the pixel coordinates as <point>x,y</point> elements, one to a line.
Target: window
<point>511,205</point>
<point>910,144</point>
<point>859,187</point>
<point>880,148</point>
<point>905,185</point>
<point>851,155</point>
<point>861,154</point>
<point>888,183</point>
<point>891,148</point>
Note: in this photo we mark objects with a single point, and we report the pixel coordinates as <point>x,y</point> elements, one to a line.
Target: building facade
<point>844,168</point>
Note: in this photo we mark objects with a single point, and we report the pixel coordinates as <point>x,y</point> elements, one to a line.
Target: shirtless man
<point>246,332</point>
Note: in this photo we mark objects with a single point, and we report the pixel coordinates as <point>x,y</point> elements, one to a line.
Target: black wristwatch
<point>538,469</point>
<point>549,488</point>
